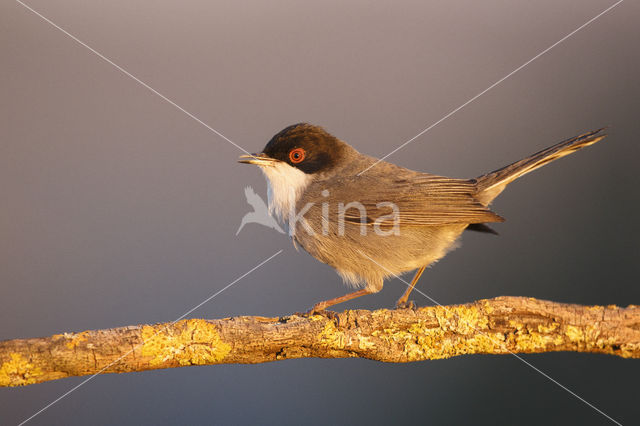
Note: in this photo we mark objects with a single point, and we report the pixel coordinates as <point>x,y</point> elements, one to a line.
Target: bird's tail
<point>492,184</point>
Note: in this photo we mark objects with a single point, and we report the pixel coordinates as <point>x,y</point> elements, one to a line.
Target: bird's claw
<point>318,310</point>
<point>409,304</point>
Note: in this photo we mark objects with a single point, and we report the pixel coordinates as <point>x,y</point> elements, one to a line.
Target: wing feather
<point>422,199</point>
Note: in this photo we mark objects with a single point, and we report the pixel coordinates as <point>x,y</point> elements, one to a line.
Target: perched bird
<point>370,219</point>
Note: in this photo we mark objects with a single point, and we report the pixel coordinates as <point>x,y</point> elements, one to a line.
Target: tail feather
<point>481,227</point>
<point>492,184</point>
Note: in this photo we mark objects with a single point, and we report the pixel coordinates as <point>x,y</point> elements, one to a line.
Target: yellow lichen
<point>195,342</point>
<point>366,343</point>
<point>589,337</point>
<point>536,339</point>
<point>548,328</point>
<point>486,305</point>
<point>575,334</point>
<point>74,338</point>
<point>18,371</point>
<point>317,317</point>
<point>331,336</point>
<point>461,331</point>
<point>463,319</point>
<point>532,341</point>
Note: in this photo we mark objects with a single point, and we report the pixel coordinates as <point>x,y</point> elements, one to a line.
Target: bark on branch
<point>496,326</point>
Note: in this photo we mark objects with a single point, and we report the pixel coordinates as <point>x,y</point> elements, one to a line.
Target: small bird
<point>370,219</point>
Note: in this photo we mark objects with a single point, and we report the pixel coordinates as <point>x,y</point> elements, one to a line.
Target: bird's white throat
<point>285,186</point>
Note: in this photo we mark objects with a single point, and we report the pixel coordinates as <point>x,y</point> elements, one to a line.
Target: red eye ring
<point>296,155</point>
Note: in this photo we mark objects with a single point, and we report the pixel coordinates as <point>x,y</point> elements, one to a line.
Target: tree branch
<point>495,326</point>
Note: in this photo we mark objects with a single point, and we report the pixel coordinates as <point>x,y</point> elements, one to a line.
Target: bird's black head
<point>307,147</point>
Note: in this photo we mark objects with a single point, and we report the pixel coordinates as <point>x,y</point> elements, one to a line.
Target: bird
<point>260,213</point>
<point>370,219</point>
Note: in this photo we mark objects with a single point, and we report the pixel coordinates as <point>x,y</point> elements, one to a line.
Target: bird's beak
<point>257,159</point>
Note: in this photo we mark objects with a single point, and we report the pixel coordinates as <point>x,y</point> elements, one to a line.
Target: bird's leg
<point>402,302</point>
<point>321,306</point>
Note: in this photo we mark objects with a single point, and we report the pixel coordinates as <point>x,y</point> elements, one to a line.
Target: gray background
<point>119,209</point>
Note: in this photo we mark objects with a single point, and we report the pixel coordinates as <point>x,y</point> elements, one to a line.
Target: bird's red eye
<point>296,155</point>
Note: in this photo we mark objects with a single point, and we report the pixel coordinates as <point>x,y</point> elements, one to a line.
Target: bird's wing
<point>421,199</point>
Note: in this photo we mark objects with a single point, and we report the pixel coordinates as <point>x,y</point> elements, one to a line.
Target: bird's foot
<point>408,304</point>
<point>320,309</point>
